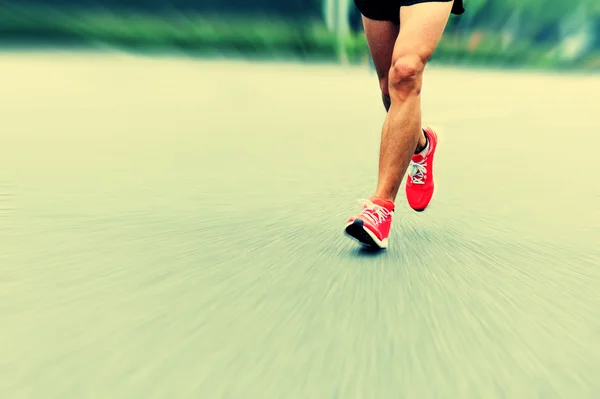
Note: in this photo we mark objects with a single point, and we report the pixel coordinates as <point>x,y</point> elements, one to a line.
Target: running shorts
<point>389,10</point>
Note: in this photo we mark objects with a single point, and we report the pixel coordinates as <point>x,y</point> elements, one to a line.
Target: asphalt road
<point>173,229</point>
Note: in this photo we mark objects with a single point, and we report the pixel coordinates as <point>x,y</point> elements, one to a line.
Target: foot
<point>372,226</point>
<point>420,183</point>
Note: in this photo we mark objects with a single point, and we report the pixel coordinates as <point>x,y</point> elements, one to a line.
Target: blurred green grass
<point>249,36</point>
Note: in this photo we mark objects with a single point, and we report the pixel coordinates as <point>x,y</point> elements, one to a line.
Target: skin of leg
<point>381,38</point>
<point>422,27</point>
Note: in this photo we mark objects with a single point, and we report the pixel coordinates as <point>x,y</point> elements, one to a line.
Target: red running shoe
<point>420,184</point>
<point>372,226</point>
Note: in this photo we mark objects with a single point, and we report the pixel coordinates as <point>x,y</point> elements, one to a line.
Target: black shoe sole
<point>357,231</point>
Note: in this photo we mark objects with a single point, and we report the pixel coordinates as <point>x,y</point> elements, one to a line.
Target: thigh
<point>422,26</point>
<point>381,38</point>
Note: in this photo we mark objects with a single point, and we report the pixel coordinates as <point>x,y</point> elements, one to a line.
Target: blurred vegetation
<point>492,32</point>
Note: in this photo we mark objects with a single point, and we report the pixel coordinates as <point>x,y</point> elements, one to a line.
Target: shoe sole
<point>358,232</point>
<point>438,132</point>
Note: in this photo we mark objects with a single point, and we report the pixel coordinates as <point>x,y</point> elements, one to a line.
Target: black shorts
<point>389,10</point>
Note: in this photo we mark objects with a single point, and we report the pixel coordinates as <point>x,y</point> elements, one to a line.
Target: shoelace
<point>373,212</point>
<point>418,171</point>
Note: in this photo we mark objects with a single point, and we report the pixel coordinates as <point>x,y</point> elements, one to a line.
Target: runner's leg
<point>421,28</point>
<point>381,38</point>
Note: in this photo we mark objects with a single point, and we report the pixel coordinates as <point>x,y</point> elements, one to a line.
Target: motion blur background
<point>175,177</point>
<point>540,33</point>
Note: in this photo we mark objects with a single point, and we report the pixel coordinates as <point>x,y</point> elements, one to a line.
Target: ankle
<point>384,200</point>
<point>423,142</point>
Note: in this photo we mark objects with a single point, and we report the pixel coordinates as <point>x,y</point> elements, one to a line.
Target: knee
<point>385,93</point>
<point>384,85</point>
<point>405,75</point>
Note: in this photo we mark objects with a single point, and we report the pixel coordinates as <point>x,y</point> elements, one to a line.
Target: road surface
<point>173,229</point>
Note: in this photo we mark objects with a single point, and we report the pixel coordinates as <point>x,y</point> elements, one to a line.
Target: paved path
<point>173,229</point>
